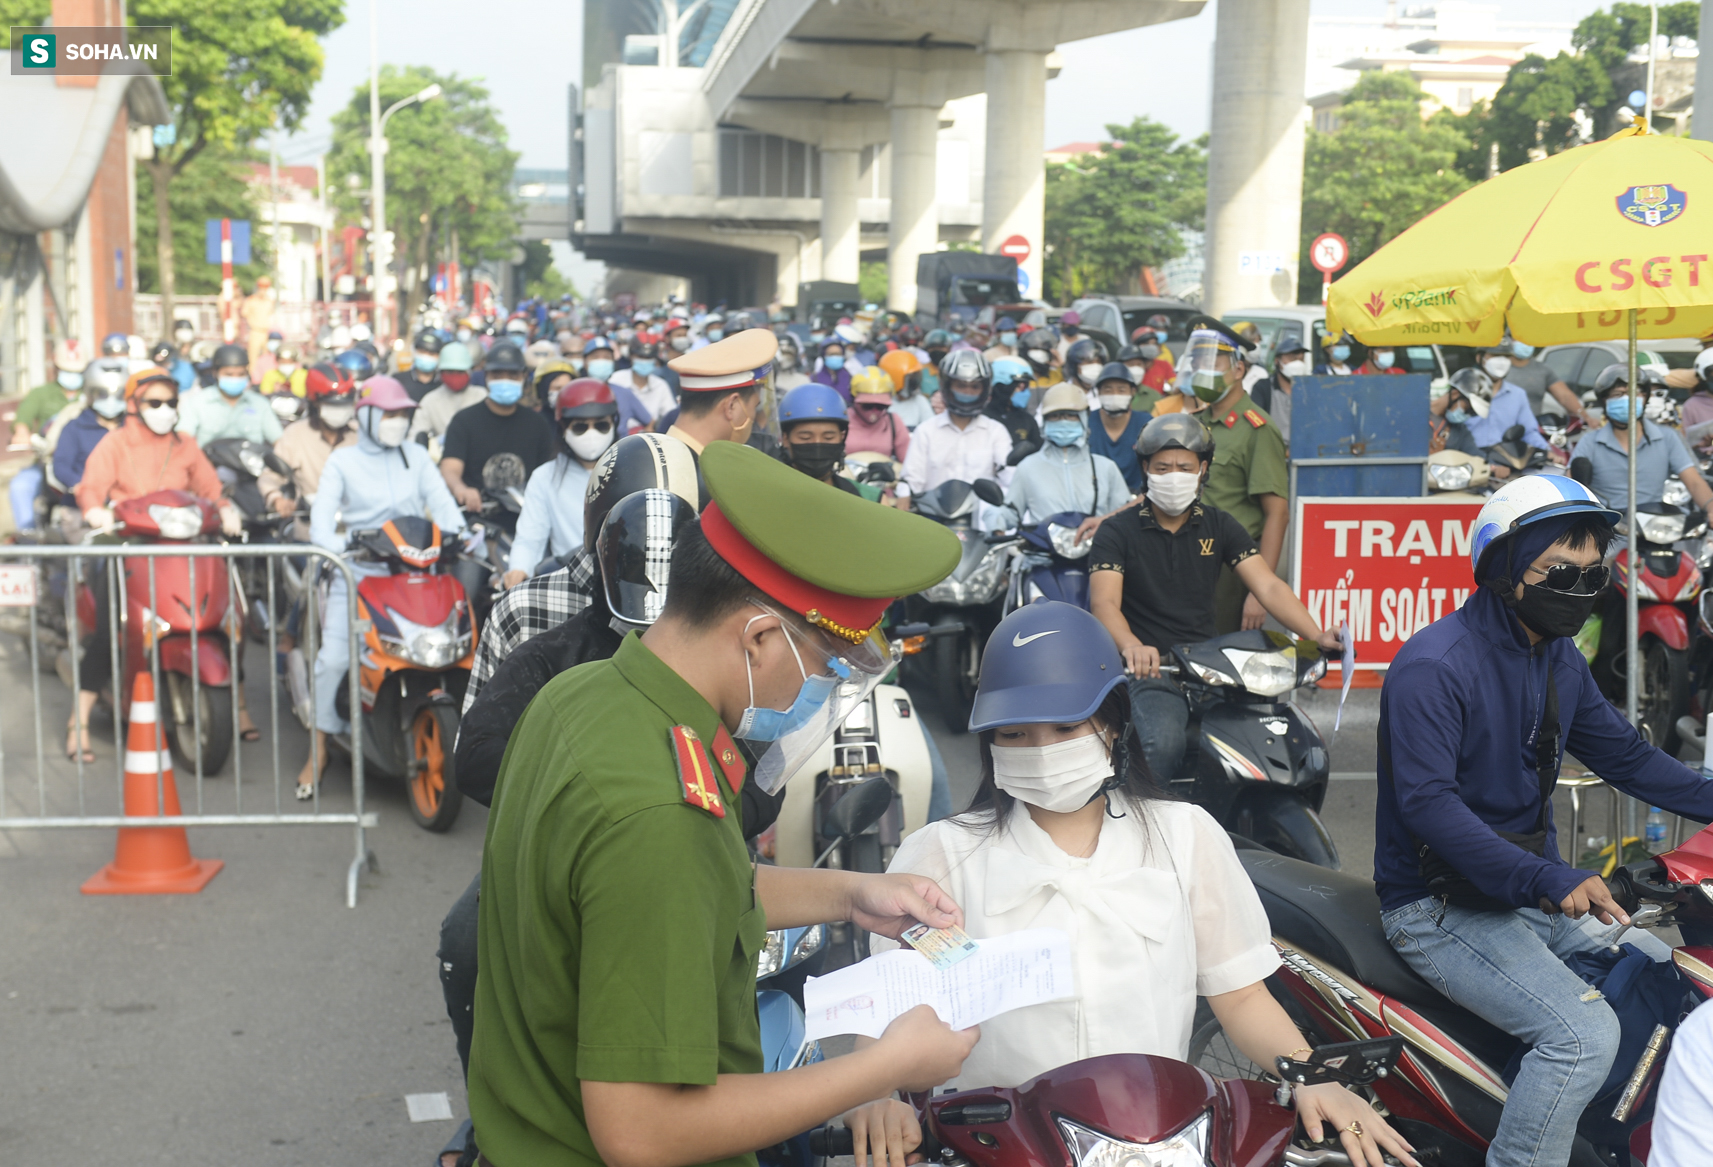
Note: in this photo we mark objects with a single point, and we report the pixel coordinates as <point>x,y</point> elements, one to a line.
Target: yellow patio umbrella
<point>1608,241</point>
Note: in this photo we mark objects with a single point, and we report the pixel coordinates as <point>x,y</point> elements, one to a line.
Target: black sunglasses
<point>602,426</point>
<point>1570,579</point>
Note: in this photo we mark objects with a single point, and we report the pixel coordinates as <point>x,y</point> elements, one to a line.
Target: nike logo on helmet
<point>1018,640</point>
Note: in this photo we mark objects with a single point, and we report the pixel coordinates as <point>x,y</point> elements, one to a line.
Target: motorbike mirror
<point>422,440</point>
<point>989,491</point>
<point>277,464</point>
<point>1582,470</point>
<point>879,472</point>
<point>1021,451</point>
<point>858,809</point>
<point>1514,434</point>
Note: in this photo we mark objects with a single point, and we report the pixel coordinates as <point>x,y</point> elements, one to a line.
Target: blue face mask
<point>769,725</point>
<point>505,392</point>
<point>601,368</point>
<point>1341,353</point>
<point>1457,416</point>
<point>1522,350</point>
<point>835,363</point>
<point>1063,433</point>
<point>716,334</point>
<point>1384,360</point>
<point>69,381</point>
<point>1020,398</point>
<point>1618,410</point>
<point>642,368</point>
<point>425,362</point>
<point>233,386</point>
<point>1008,339</point>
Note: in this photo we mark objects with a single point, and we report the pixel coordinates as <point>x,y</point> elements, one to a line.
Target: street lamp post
<point>380,241</point>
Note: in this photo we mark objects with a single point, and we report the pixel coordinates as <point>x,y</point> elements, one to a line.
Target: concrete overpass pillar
<point>1255,162</point>
<point>1701,117</point>
<point>841,245</point>
<point>915,227</point>
<point>1014,188</point>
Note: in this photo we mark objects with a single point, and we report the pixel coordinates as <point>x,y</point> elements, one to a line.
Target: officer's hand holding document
<point>989,977</point>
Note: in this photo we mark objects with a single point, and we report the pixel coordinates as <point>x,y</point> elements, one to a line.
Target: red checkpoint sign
<point>1016,247</point>
<point>1329,252</point>
<point>1390,566</point>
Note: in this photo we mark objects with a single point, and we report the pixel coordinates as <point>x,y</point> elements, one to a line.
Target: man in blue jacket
<point>1476,713</point>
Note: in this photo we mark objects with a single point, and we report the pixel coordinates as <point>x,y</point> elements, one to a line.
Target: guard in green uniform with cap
<point>621,915</point>
<point>1250,479</point>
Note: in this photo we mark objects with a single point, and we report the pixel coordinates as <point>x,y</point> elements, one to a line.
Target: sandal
<point>71,742</point>
<point>305,791</point>
<point>251,732</point>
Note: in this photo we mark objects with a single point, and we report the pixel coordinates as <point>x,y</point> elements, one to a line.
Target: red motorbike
<point>165,624</point>
<point>1133,1110</point>
<point>1666,590</point>
<point>1342,980</point>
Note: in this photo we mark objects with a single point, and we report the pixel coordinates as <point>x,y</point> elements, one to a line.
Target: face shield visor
<point>767,404</point>
<point>854,671</point>
<point>1201,362</point>
<point>634,550</point>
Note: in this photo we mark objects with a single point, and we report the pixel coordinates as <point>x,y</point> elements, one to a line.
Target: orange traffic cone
<point>150,860</point>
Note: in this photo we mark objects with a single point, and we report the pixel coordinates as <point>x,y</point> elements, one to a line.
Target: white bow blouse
<point>1161,912</point>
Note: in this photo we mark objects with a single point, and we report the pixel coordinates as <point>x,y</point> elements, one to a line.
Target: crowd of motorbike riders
<point>550,435</point>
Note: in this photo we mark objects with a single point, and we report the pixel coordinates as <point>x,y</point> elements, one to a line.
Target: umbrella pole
<point>1633,662</point>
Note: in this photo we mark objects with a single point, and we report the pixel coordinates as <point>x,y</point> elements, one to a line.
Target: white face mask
<point>337,417</point>
<point>1088,373</point>
<point>1497,367</point>
<point>1115,402</point>
<point>1061,777</point>
<point>1174,492</point>
<point>1295,369</point>
<point>391,431</point>
<point>160,418</point>
<point>590,444</point>
<point>681,343</point>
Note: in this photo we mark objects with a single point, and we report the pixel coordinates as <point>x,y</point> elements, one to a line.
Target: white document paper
<point>1006,972</point>
<point>1349,670</point>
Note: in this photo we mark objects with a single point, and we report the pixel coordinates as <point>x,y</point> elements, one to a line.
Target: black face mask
<point>1549,613</point>
<point>816,459</point>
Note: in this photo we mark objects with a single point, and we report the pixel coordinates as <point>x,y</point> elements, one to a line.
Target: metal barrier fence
<point>33,595</point>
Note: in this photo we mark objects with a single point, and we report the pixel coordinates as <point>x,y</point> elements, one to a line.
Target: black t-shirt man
<point>1169,577</point>
<point>477,434</point>
<point>419,385</point>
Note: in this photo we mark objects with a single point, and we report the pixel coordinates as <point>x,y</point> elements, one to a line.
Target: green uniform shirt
<point>42,404</point>
<point>619,927</point>
<point>1248,460</point>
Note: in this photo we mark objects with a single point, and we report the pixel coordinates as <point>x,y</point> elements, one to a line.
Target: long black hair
<point>1129,791</point>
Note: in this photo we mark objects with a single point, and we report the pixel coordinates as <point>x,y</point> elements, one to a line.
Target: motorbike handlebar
<point>828,1141</point>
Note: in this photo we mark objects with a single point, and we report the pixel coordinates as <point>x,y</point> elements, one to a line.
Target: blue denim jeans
<point>1508,968</point>
<point>1161,714</point>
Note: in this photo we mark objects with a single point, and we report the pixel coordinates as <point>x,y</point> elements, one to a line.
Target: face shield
<point>1201,362</point>
<point>767,404</point>
<point>855,670</point>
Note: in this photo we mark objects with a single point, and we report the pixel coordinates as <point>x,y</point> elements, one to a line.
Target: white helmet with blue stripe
<point>1529,500</point>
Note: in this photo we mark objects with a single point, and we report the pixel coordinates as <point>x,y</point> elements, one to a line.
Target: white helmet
<point>1529,500</point>
<point>1704,366</point>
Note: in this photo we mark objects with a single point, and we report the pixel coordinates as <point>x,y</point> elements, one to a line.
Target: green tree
<point>239,67</point>
<point>448,171</point>
<point>215,185</point>
<point>872,280</point>
<point>22,13</point>
<point>1608,36</point>
<point>541,279</point>
<point>1382,169</point>
<point>1108,217</point>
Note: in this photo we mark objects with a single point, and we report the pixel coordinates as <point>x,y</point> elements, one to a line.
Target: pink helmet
<point>384,393</point>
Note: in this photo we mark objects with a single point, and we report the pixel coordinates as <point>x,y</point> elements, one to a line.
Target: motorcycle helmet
<point>104,386</point>
<point>1523,501</point>
<point>965,365</point>
<point>639,462</point>
<point>634,551</point>
<point>505,357</point>
<point>328,382</point>
<point>1182,431</point>
<point>230,356</point>
<point>585,397</point>
<point>115,344</point>
<point>1704,367</point>
<point>899,365</point>
<point>162,352</point>
<point>1047,661</point>
<point>1476,387</point>
<point>1087,351</point>
<point>1006,370</point>
<point>812,402</point>
<point>427,340</point>
<point>1114,371</point>
<point>356,363</point>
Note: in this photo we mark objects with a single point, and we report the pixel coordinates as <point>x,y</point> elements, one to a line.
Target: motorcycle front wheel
<point>1280,820</point>
<point>1662,693</point>
<point>216,717</point>
<point>433,788</point>
<point>1213,1051</point>
<point>955,678</point>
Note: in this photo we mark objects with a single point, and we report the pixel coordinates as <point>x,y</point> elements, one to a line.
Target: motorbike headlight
<point>807,945</point>
<point>1676,493</point>
<point>983,584</point>
<point>947,591</point>
<point>250,459</point>
<point>1316,672</point>
<point>1265,674</point>
<point>1450,477</point>
<point>432,646</point>
<point>771,958</point>
<point>1065,542</point>
<point>1662,529</point>
<point>177,522</point>
<point>1187,1148</point>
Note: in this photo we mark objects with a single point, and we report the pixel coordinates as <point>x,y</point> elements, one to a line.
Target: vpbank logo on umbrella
<point>1652,206</point>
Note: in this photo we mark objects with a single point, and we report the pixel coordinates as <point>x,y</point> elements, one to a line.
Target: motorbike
<point>1253,759</point>
<point>1455,475</point>
<point>1134,1110</point>
<point>1512,457</point>
<point>417,648</point>
<point>961,610</point>
<point>239,463</point>
<point>1050,564</point>
<point>481,570</point>
<point>1667,589</point>
<point>1342,979</point>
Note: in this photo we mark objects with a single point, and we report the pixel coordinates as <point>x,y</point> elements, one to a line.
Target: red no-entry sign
<point>1016,247</point>
<point>1329,252</point>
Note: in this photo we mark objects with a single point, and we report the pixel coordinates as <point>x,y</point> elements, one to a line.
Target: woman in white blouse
<point>1067,831</point>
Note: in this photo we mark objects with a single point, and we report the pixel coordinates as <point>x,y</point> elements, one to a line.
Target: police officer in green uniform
<point>1250,479</point>
<point>621,914</point>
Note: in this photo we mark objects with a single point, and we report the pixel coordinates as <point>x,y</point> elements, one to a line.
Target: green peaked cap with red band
<point>835,558</point>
